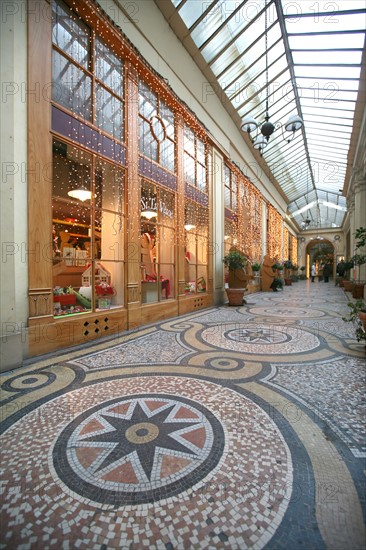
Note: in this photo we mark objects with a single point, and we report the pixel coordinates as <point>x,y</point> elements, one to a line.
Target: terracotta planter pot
<point>235,296</point>
<point>288,282</point>
<point>357,291</point>
<point>348,286</point>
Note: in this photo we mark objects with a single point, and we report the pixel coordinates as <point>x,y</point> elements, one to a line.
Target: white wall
<point>13,204</point>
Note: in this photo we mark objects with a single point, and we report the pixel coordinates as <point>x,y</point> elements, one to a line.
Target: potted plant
<point>358,260</point>
<point>357,316</point>
<point>287,264</point>
<point>256,267</point>
<point>278,266</point>
<point>276,284</point>
<point>235,262</point>
<point>302,276</point>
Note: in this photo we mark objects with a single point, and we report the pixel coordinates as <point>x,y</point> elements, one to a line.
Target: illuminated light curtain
<point>285,244</point>
<point>249,218</point>
<point>274,233</point>
<point>294,256</point>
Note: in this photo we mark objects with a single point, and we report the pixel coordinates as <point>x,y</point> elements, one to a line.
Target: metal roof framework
<point>316,54</point>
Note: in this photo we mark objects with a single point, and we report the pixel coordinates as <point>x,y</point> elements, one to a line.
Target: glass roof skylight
<point>315,52</point>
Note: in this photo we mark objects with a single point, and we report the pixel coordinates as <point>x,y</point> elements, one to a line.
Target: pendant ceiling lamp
<point>148,214</point>
<point>264,132</point>
<point>79,190</point>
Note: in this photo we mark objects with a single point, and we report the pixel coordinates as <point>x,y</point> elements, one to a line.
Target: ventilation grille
<point>98,327</point>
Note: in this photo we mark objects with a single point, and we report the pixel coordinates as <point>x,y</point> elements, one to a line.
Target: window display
<point>87,235</point>
<point>157,243</point>
<point>196,248</point>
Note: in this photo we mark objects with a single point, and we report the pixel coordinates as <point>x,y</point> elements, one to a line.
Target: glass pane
<point>200,151</point>
<point>167,155</point>
<point>108,67</point>
<point>109,218</point>
<point>202,247</point>
<point>72,230</point>
<point>201,178</point>
<point>148,145</point>
<point>327,58</point>
<point>227,197</point>
<point>166,209</point>
<point>71,87</point>
<point>109,112</point>
<point>168,119</point>
<point>166,281</point>
<point>332,22</point>
<point>189,169</point>
<point>202,221</point>
<point>192,10</point>
<point>189,141</point>
<point>148,104</point>
<point>109,284</point>
<point>70,34</point>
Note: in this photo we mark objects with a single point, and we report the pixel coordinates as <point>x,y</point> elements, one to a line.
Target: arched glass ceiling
<point>315,51</point>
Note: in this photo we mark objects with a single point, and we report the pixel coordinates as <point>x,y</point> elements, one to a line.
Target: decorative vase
<point>235,296</point>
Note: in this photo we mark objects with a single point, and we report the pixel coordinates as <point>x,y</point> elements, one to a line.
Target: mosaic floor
<point>229,428</point>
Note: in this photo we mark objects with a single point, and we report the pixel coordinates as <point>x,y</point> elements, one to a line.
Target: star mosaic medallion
<point>135,449</point>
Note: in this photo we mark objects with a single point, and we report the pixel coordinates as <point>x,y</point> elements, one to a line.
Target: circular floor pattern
<point>136,449</point>
<point>220,453</point>
<point>261,338</point>
<point>286,312</point>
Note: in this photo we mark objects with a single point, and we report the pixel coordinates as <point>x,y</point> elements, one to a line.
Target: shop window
<point>73,67</point>
<point>196,248</point>
<point>230,242</point>
<point>194,160</point>
<point>157,243</point>
<point>88,229</point>
<point>156,128</point>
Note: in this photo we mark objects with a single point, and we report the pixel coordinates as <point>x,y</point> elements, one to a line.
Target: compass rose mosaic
<point>135,449</point>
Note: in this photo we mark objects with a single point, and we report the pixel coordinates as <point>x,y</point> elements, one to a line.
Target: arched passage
<point>321,252</point>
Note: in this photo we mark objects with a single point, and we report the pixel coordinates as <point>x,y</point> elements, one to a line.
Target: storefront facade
<point>132,203</point>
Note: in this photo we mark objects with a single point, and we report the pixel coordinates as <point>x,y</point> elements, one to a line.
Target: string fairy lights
<point>128,95</point>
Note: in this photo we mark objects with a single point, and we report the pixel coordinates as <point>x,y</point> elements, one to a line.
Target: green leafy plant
<point>278,266</point>
<point>276,284</point>
<point>288,264</point>
<point>234,260</point>
<point>256,266</point>
<point>359,259</point>
<point>360,236</point>
<point>356,308</point>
